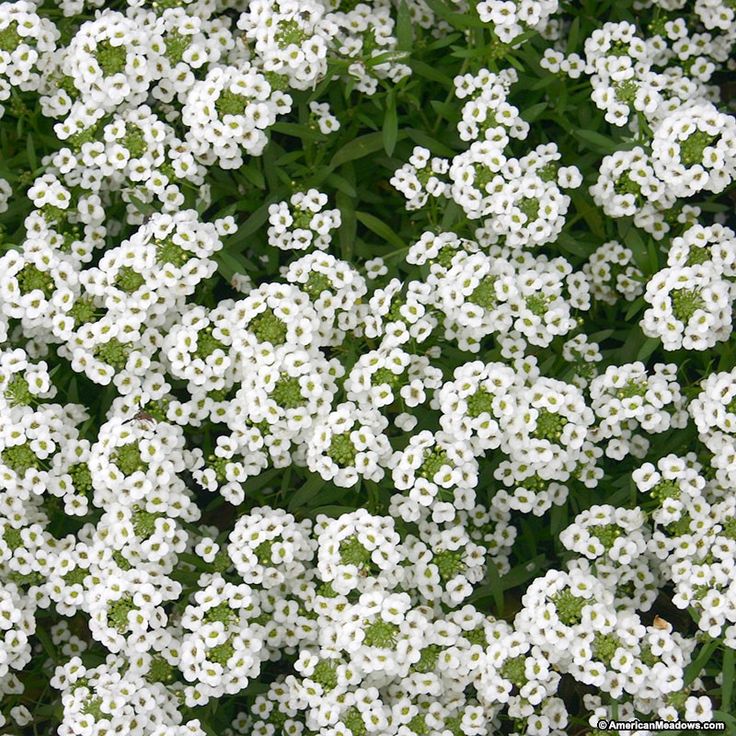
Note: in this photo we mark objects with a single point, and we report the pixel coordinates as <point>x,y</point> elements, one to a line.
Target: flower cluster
<point>362,375</point>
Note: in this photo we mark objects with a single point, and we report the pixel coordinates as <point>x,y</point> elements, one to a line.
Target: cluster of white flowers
<point>300,485</point>
<point>302,222</point>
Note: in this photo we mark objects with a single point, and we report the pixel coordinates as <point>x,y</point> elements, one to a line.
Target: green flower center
<point>352,552</point>
<point>128,458</point>
<point>729,528</point>
<point>231,103</point>
<point>626,91</point>
<point>129,280</point>
<point>160,671</point>
<point>569,607</point>
<point>680,527</point>
<point>87,135</point>
<point>12,537</point>
<point>18,391</point>
<point>289,32</point>
<point>530,207</point>
<point>434,459</point>
<point>325,674</point>
<point>267,327</point>
<point>207,343</point>
<point>513,670</point>
<point>83,311</point>
<point>111,58</point>
<point>222,613</point>
<point>144,522</point>
<point>316,284</point>
<point>604,647</point>
<point>169,252</point>
<point>394,313</point>
<point>354,722</point>
<point>665,489</point>
<point>449,563</point>
<point>381,634</point>
<point>631,389</point>
<point>114,353</point>
<point>477,637</point>
<point>118,612</point>
<point>342,450</point>
<point>692,148</point>
<point>120,560</point>
<point>31,278</point>
<point>445,256</point>
<point>93,707</point>
<point>221,653</point>
<point>606,534</point>
<point>287,392</point>
<point>386,375</point>
<point>549,426</point>
<point>418,725</point>
<point>20,458</point>
<point>428,658</point>
<point>81,478</point>
<point>697,256</point>
<point>537,304</point>
<point>484,295</point>
<point>76,576</point>
<point>626,185</point>
<point>685,302</point>
<point>481,402</point>
<point>134,140</point>
<point>647,657</point>
<point>10,39</point>
<point>176,45</point>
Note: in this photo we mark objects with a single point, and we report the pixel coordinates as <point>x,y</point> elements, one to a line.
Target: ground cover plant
<point>366,368</point>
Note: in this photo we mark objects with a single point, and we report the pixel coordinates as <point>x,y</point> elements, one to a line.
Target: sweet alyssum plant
<point>367,368</point>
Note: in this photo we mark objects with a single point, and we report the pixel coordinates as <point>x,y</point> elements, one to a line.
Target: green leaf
<point>390,125</point>
<point>695,667</point>
<point>309,489</point>
<point>386,57</point>
<point>649,346</point>
<point>590,213</point>
<point>357,148</point>
<point>341,184</point>
<point>297,131</point>
<point>429,72</point>
<point>729,663</point>
<point>404,28</point>
<point>31,150</point>
<point>252,224</point>
<point>598,141</point>
<point>348,224</point>
<point>634,308</point>
<point>380,228</point>
<point>422,139</point>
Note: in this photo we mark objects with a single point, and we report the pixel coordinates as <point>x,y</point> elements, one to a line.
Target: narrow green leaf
<point>309,489</point>
<point>422,139</point>
<point>357,148</point>
<point>380,228</point>
<point>31,150</point>
<point>404,28</point>
<point>348,225</point>
<point>729,665</point>
<point>598,141</point>
<point>295,130</point>
<point>695,667</point>
<point>649,346</point>
<point>341,184</point>
<point>429,72</point>
<point>390,124</point>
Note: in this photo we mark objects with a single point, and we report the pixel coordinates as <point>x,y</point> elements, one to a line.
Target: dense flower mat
<point>366,368</point>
